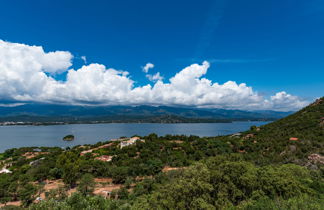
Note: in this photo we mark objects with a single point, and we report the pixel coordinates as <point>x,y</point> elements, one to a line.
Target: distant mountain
<point>80,114</point>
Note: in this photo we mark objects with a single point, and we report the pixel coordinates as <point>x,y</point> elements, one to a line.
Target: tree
<point>70,164</point>
<point>4,186</point>
<point>57,194</point>
<point>27,194</point>
<point>86,185</point>
<point>122,193</point>
<point>128,183</point>
<point>120,174</point>
<point>154,166</point>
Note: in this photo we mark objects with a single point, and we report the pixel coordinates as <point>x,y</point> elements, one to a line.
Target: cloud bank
<point>26,74</point>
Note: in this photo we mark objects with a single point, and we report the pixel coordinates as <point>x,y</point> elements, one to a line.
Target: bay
<point>49,136</point>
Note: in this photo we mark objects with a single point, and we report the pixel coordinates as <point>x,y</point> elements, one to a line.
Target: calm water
<point>27,136</point>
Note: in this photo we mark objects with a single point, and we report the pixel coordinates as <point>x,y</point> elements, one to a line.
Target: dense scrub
<point>225,183</point>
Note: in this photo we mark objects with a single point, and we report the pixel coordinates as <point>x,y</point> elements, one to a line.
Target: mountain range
<point>92,114</point>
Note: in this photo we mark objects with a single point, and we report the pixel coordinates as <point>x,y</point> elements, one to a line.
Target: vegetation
<point>224,183</point>
<point>86,185</point>
<point>68,138</point>
<point>258,169</point>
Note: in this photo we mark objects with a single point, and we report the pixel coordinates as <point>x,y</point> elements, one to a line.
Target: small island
<point>68,138</point>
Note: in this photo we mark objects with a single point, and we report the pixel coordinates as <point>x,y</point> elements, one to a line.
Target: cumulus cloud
<point>284,101</point>
<point>147,67</point>
<point>154,77</point>
<point>23,69</point>
<point>26,75</point>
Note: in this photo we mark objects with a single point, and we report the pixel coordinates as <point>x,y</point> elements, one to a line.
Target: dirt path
<point>11,203</point>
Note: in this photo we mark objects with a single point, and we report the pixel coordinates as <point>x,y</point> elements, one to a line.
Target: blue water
<point>28,136</point>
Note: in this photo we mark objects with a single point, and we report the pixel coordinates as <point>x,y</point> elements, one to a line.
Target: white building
<point>5,171</point>
<point>131,141</point>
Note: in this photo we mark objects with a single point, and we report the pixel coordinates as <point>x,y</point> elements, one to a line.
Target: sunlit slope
<point>292,138</point>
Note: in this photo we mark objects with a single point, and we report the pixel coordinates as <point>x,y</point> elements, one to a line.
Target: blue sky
<point>271,46</point>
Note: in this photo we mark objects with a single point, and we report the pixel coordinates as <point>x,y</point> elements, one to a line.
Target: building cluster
<point>5,167</point>
<point>12,123</point>
<point>5,171</point>
<point>130,141</point>
<point>123,142</point>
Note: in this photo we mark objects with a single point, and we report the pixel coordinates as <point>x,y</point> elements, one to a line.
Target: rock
<point>316,158</point>
<point>282,153</point>
<point>248,136</point>
<point>322,122</point>
<point>313,167</point>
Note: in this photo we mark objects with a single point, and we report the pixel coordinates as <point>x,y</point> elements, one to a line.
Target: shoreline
<point>4,124</point>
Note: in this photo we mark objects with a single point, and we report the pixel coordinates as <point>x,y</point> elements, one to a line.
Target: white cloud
<point>154,77</point>
<point>84,58</point>
<point>25,75</point>
<point>11,104</point>
<point>23,68</point>
<point>147,67</point>
<point>284,101</point>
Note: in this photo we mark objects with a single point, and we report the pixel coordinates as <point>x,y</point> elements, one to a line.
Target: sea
<point>51,135</point>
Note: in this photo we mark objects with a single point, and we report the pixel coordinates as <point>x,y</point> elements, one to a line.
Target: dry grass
<point>102,185</point>
<point>168,168</point>
<point>177,141</point>
<point>11,203</point>
<point>30,155</point>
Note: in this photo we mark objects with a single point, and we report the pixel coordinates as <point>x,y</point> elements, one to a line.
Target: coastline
<point>191,121</point>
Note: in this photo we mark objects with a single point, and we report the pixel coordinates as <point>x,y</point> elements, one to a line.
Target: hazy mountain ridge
<point>50,112</point>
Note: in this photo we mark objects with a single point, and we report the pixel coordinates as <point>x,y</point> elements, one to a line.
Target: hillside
<point>306,124</point>
<point>292,138</point>
<point>262,168</point>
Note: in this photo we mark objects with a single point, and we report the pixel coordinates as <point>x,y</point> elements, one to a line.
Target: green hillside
<point>306,124</point>
<point>292,138</point>
<point>262,168</point>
